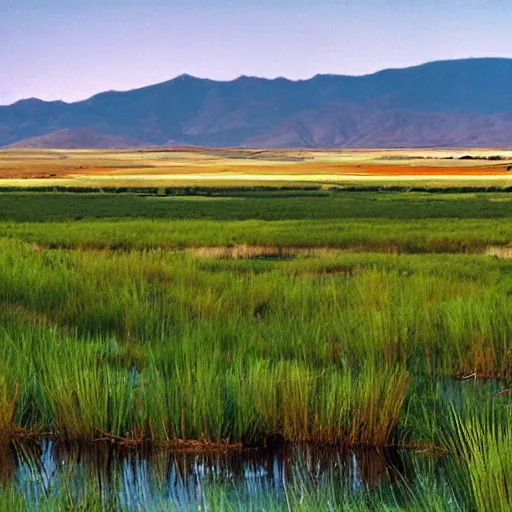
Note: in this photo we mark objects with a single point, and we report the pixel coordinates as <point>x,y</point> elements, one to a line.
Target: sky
<point>72,49</point>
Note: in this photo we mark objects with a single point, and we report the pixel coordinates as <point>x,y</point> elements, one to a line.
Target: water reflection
<point>142,481</point>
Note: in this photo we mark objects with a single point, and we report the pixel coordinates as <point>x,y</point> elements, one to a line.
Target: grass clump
<point>163,345</point>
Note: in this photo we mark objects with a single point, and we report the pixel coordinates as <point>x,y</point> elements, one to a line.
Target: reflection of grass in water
<point>140,486</point>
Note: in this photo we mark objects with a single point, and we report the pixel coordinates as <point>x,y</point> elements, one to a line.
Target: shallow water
<point>144,481</point>
<point>253,479</point>
<point>154,479</point>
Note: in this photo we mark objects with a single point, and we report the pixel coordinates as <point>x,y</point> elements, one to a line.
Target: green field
<point>322,317</point>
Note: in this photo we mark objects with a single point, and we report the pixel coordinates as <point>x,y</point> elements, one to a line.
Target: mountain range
<point>458,103</point>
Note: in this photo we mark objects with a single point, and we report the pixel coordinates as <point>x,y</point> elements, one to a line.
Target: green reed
<point>160,345</point>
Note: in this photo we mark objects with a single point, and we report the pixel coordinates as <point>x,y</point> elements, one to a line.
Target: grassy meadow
<point>354,319</point>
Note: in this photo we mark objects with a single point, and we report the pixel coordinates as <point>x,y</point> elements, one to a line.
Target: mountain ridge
<point>445,103</point>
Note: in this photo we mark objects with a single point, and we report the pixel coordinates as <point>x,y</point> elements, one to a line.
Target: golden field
<point>195,166</point>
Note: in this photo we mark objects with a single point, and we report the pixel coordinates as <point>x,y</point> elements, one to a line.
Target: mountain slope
<point>75,138</point>
<point>448,103</point>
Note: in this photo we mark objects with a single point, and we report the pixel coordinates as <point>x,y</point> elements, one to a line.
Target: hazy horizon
<point>71,52</point>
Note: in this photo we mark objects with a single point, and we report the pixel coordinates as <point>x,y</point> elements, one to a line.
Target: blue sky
<point>71,50</point>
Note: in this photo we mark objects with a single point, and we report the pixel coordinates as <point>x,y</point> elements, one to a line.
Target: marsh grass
<point>161,346</point>
<point>324,320</point>
<point>437,235</point>
<point>481,436</point>
<point>8,397</point>
<point>377,222</point>
<point>241,204</point>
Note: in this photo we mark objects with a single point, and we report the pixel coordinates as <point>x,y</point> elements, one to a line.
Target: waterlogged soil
<point>500,252</point>
<point>241,252</point>
<point>145,481</point>
<point>269,252</point>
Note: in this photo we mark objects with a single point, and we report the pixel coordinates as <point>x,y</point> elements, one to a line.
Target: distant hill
<point>449,103</point>
<point>76,138</point>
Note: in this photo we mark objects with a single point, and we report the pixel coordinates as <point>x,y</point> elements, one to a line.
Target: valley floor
<point>186,166</point>
<point>251,318</point>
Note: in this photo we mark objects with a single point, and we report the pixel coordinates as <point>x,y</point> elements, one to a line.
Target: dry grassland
<point>194,166</point>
